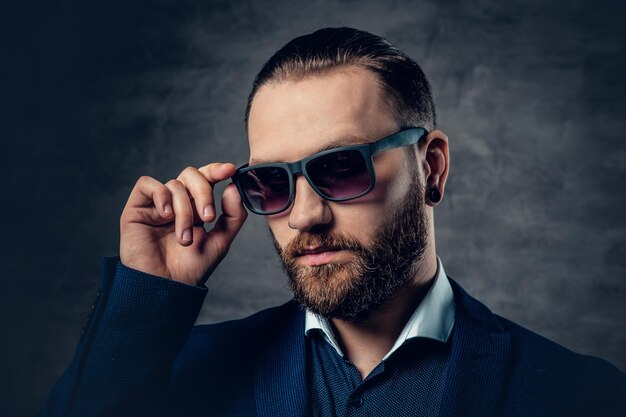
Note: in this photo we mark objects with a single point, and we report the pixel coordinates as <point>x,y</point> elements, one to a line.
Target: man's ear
<point>435,159</point>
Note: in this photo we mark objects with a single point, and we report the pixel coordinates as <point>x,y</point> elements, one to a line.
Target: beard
<point>351,290</point>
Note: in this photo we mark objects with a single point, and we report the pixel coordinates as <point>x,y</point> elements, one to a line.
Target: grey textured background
<point>96,94</point>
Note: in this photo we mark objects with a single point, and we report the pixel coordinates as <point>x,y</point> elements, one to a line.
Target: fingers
<point>183,211</point>
<point>152,199</point>
<point>217,172</point>
<point>187,200</point>
<point>200,182</point>
<point>192,195</point>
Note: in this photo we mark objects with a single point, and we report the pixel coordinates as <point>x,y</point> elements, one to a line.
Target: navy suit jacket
<point>140,355</point>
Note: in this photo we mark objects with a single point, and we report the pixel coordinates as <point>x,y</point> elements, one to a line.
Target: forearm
<point>137,327</point>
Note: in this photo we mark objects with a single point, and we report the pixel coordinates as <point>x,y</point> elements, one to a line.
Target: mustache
<point>305,240</point>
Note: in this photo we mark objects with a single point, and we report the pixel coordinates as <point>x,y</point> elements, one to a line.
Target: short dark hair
<point>406,89</point>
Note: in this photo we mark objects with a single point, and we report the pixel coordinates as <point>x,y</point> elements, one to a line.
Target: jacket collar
<point>478,360</point>
<point>281,380</point>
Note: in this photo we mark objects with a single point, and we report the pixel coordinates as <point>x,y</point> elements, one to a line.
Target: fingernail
<point>208,211</point>
<point>187,235</point>
<point>167,209</point>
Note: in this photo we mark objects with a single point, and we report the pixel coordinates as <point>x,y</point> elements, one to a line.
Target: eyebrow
<point>342,141</point>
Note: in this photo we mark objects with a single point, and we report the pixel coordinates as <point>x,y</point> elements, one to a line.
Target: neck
<point>366,342</point>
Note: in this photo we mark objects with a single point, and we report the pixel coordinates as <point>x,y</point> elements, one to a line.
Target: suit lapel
<point>280,380</point>
<point>478,362</point>
<point>476,372</point>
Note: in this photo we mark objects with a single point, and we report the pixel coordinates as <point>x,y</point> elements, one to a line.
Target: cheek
<point>393,179</point>
<point>361,217</point>
<point>280,229</point>
<point>391,186</point>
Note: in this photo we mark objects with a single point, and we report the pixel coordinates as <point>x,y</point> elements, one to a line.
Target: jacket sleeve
<point>137,326</point>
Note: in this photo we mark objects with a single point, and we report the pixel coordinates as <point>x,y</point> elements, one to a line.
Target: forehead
<point>291,120</point>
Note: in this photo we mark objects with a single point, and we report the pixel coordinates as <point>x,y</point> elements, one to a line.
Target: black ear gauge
<point>434,195</point>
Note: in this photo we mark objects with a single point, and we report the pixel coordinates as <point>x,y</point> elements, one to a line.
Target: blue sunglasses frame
<point>399,139</point>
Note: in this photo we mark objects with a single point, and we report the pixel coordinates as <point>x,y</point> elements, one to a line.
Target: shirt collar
<point>433,318</point>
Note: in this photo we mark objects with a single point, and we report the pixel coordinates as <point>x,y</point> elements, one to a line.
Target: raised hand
<point>162,225</point>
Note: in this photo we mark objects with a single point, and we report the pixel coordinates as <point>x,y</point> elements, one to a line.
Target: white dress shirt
<point>433,318</point>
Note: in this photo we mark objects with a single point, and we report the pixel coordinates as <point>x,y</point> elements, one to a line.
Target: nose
<point>309,211</point>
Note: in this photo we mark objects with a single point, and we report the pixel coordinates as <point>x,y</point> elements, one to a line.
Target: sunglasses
<point>337,174</point>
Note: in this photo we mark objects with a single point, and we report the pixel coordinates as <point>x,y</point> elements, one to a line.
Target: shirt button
<point>356,401</point>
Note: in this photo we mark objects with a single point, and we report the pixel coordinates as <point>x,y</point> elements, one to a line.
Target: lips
<point>318,255</point>
<point>315,250</point>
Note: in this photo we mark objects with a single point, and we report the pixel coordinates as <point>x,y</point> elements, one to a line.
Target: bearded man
<point>347,166</point>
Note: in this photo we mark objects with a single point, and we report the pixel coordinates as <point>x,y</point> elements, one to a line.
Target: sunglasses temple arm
<point>403,138</point>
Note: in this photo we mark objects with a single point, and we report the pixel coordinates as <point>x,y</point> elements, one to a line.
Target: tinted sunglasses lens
<point>341,174</point>
<point>266,188</point>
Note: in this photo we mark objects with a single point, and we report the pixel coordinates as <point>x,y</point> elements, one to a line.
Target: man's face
<point>343,259</point>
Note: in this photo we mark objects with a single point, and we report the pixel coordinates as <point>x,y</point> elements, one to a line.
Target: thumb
<point>234,214</point>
